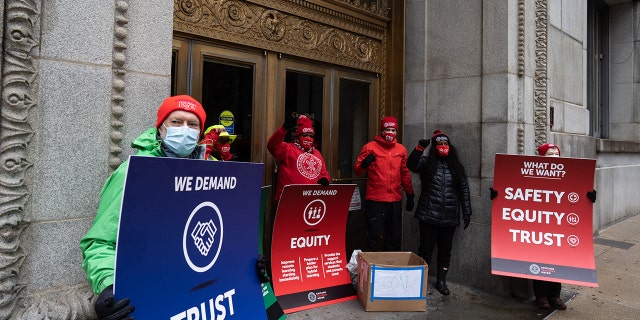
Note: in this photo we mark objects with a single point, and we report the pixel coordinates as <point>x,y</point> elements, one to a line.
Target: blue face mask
<point>181,140</point>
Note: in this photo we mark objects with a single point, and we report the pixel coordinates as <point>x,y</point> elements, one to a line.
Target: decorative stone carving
<point>18,77</point>
<point>540,95</point>
<point>380,7</point>
<point>521,69</point>
<point>295,27</point>
<point>521,138</point>
<point>521,37</point>
<point>118,82</point>
<point>72,304</point>
<point>272,26</point>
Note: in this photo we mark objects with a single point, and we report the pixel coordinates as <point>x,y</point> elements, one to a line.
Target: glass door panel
<point>229,85</point>
<point>356,110</point>
<point>305,89</point>
<point>304,95</point>
<point>353,117</point>
<point>227,96</point>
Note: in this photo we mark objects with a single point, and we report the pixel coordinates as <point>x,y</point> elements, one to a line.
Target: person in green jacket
<point>179,123</point>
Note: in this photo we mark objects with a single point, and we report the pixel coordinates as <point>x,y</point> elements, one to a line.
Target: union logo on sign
<point>312,297</point>
<point>309,165</point>
<point>534,268</point>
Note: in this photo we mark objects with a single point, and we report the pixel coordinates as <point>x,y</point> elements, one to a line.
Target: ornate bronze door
<point>259,90</point>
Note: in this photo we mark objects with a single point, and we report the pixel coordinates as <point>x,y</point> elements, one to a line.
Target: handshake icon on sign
<point>202,235</point>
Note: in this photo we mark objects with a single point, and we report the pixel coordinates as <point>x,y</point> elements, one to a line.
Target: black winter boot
<point>441,283</point>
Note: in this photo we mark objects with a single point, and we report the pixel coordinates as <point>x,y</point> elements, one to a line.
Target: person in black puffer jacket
<point>444,194</point>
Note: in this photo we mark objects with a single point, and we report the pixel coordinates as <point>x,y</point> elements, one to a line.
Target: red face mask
<point>389,136</point>
<point>224,149</point>
<point>306,142</point>
<point>443,150</point>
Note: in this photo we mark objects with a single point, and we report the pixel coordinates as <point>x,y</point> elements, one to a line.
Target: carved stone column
<point>18,75</point>
<point>540,90</point>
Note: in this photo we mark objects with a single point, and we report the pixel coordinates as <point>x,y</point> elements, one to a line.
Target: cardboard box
<point>392,281</point>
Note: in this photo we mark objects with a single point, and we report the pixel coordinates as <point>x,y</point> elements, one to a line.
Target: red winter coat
<point>294,165</point>
<point>388,174</point>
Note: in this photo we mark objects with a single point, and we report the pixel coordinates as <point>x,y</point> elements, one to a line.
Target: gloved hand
<point>467,220</point>
<point>290,123</point>
<point>493,194</point>
<point>261,268</point>
<point>109,309</point>
<point>424,143</point>
<point>323,181</point>
<point>409,206</point>
<point>367,161</point>
<point>592,195</point>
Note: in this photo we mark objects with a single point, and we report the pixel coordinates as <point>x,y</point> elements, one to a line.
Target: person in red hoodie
<point>385,162</point>
<point>299,162</point>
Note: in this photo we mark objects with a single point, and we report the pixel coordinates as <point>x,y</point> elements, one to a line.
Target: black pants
<point>430,236</point>
<point>384,219</point>
<point>546,289</point>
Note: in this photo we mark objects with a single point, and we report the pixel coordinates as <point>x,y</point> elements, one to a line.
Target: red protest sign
<point>308,259</point>
<point>542,220</point>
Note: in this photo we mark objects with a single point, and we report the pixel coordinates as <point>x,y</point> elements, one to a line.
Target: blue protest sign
<point>187,238</point>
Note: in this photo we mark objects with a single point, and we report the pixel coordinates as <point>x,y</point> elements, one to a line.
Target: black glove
<point>261,268</point>
<point>467,220</point>
<point>367,161</point>
<point>591,195</point>
<point>424,143</point>
<point>410,203</point>
<point>493,193</point>
<point>323,181</point>
<point>290,123</point>
<point>109,309</point>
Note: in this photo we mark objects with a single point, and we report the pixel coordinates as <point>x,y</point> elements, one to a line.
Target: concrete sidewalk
<point>617,254</point>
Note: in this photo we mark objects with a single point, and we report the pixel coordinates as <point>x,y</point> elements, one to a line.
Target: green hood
<point>98,245</point>
<point>148,144</point>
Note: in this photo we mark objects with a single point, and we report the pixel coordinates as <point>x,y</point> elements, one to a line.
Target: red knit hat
<point>304,126</point>
<point>388,122</point>
<point>542,150</point>
<point>436,134</point>
<point>184,103</point>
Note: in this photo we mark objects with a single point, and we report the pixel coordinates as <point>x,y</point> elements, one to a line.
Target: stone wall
<point>81,79</point>
<point>505,77</point>
<point>625,71</point>
<point>474,80</point>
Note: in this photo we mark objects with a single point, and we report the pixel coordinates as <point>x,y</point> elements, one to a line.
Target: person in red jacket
<point>299,162</point>
<point>385,162</point>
